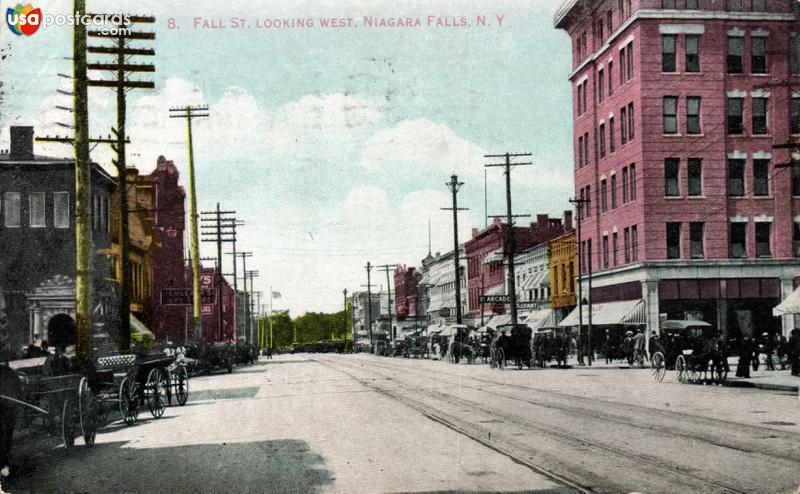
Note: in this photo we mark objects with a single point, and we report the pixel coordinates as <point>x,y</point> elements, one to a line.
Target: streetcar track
<point>583,412</point>
<point>672,470</point>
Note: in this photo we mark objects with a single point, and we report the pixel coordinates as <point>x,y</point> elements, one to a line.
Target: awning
<point>140,333</point>
<point>624,312</point>
<point>435,329</point>
<point>495,256</point>
<point>535,318</point>
<point>496,290</point>
<point>790,305</point>
<point>435,304</point>
<point>498,320</point>
<point>535,280</point>
<point>548,321</point>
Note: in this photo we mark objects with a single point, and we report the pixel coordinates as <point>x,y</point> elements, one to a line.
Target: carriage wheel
<point>129,400</point>
<point>659,366</point>
<point>68,425</point>
<point>181,385</point>
<point>87,412</point>
<point>154,390</point>
<point>167,380</point>
<point>680,366</point>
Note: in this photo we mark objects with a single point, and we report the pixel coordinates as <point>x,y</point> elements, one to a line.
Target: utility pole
<point>386,268</point>
<point>189,113</point>
<point>121,83</point>
<point>369,307</point>
<point>219,227</point>
<point>255,312</point>
<point>512,282</point>
<point>244,256</point>
<point>454,185</point>
<point>344,330</point>
<point>250,274</point>
<point>579,206</point>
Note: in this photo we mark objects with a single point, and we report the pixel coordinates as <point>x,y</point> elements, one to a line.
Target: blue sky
<point>332,144</point>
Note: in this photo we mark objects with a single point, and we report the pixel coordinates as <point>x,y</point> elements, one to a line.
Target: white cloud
<point>422,147</point>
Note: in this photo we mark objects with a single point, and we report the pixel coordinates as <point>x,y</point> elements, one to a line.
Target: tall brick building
<point>676,114</point>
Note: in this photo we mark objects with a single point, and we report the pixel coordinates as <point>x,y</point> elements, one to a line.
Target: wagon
<point>61,405</point>
<point>550,344</point>
<point>692,348</point>
<point>515,346</point>
<point>210,357</point>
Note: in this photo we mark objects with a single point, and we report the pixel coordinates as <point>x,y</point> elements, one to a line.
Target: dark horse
<point>10,386</point>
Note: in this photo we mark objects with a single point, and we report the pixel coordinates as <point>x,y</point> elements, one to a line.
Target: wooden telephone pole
<point>454,185</point>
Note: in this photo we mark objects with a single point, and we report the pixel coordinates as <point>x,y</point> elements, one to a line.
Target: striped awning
<point>496,290</point>
<point>536,280</point>
<point>623,312</point>
<point>790,305</point>
<point>495,256</point>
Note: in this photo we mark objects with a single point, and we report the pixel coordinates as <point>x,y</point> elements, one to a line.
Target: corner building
<point>678,105</point>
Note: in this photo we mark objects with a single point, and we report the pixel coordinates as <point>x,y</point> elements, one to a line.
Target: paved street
<point>332,423</point>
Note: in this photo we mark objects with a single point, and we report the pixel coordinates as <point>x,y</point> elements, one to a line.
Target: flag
<point>276,294</point>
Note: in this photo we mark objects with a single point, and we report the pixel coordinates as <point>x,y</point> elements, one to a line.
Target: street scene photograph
<point>427,246</point>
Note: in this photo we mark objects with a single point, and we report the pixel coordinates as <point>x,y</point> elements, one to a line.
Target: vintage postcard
<point>424,246</point>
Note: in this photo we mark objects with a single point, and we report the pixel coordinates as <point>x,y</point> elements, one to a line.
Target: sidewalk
<point>778,380</point>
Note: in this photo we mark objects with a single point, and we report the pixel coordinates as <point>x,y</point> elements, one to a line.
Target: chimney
<point>541,221</point>
<point>568,220</point>
<point>21,143</point>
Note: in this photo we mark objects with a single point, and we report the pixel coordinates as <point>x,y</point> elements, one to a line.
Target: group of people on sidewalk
<point>786,351</point>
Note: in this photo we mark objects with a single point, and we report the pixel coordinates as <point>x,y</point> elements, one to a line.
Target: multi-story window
<point>794,53</point>
<point>602,140</point>
<point>614,247</point>
<point>622,57</point>
<point>797,239</point>
<point>795,114</point>
<point>760,115</point>
<point>734,5</point>
<point>613,192</point>
<point>668,53</point>
<point>735,177</point>
<point>603,196</point>
<point>692,52</point>
<point>626,244</point>
<point>625,185</point>
<point>758,55</point>
<point>612,145</point>
<point>580,151</point>
<point>671,166</point>
<point>738,240</point>
<point>759,5</point>
<point>609,22</point>
<point>692,4</point>
<point>673,240</point>
<point>632,178</point>
<point>610,77</point>
<point>634,243</point>
<point>760,177</point>
<point>763,234</point>
<point>13,209</point>
<point>61,209</point>
<point>734,57</point>
<point>630,121</point>
<point>668,4</point>
<point>629,60</point>
<point>693,115</point>
<point>596,149</point>
<point>796,178</point>
<point>623,122</point>
<point>695,176</point>
<point>605,251</point>
<point>601,82</point>
<point>670,114</point>
<point>586,148</point>
<point>696,231</point>
<point>37,210</point>
<point>735,123</point>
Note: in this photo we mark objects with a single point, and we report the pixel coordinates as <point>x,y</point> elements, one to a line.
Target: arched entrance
<point>61,330</point>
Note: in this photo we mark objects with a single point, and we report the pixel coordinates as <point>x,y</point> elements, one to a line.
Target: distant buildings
<point>440,284</point>
<point>680,111</point>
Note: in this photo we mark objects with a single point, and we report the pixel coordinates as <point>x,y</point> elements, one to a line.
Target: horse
<point>10,387</point>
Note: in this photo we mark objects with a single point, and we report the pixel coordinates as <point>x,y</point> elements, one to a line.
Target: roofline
<point>47,161</point>
<point>562,11</point>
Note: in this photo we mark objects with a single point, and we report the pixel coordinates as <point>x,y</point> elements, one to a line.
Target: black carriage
<point>59,403</point>
<point>208,357</point>
<point>694,349</point>
<point>461,347</point>
<point>246,354</point>
<point>550,344</point>
<point>417,346</point>
<point>512,342</point>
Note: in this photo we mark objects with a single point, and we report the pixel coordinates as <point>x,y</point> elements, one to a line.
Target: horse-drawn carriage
<point>512,342</point>
<point>692,348</point>
<point>47,399</point>
<point>211,356</point>
<point>550,344</point>
<point>417,346</point>
<point>129,381</point>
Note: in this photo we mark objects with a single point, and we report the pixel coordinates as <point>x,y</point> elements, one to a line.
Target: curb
<point>767,386</point>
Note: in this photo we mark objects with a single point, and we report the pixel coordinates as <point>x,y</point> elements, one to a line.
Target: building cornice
<point>691,15</point>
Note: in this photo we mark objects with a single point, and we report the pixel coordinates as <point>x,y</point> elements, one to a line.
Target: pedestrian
<point>783,351</point>
<point>580,346</point>
<point>769,349</point>
<point>745,356</point>
<point>607,347</point>
<point>794,351</point>
<point>638,347</point>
